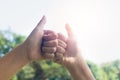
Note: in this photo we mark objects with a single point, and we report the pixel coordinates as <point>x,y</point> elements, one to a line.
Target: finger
<point>51,43</point>
<point>46,32</point>
<point>48,55</point>
<point>48,49</point>
<point>62,37</point>
<point>61,43</point>
<point>50,36</point>
<point>58,57</point>
<point>38,30</point>
<point>41,23</point>
<point>69,31</point>
<point>37,33</point>
<point>60,49</point>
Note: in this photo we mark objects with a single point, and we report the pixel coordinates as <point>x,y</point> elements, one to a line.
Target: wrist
<point>72,63</point>
<point>79,69</point>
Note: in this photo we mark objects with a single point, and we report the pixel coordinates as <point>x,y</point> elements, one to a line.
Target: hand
<point>72,59</point>
<point>72,52</point>
<point>33,43</point>
<point>61,53</point>
<point>52,43</point>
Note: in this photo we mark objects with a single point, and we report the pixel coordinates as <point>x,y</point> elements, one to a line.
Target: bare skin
<point>54,47</point>
<point>23,54</point>
<point>28,51</point>
<point>72,58</point>
<point>58,44</point>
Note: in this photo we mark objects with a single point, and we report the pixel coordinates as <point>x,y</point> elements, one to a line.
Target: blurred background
<point>96,24</point>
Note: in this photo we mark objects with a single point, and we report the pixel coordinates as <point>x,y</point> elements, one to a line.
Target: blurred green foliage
<point>48,70</point>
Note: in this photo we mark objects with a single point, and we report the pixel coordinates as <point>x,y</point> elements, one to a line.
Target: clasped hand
<point>47,44</point>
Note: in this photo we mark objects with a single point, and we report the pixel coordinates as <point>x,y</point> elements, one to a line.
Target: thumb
<point>69,30</point>
<point>41,23</point>
<point>38,30</point>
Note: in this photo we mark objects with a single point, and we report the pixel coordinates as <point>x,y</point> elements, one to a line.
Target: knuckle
<point>59,55</point>
<point>53,49</point>
<point>55,43</point>
<point>48,55</point>
<point>61,37</point>
<point>62,44</point>
<point>60,49</point>
<point>48,49</point>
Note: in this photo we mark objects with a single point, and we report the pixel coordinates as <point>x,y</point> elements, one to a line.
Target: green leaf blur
<point>48,70</point>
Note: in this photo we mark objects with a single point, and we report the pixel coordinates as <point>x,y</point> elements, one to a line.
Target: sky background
<point>96,23</point>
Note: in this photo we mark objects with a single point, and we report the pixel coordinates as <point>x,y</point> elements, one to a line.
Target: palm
<point>72,49</point>
<point>33,42</point>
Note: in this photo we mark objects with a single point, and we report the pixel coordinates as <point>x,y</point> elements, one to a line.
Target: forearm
<point>12,62</point>
<point>79,70</point>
